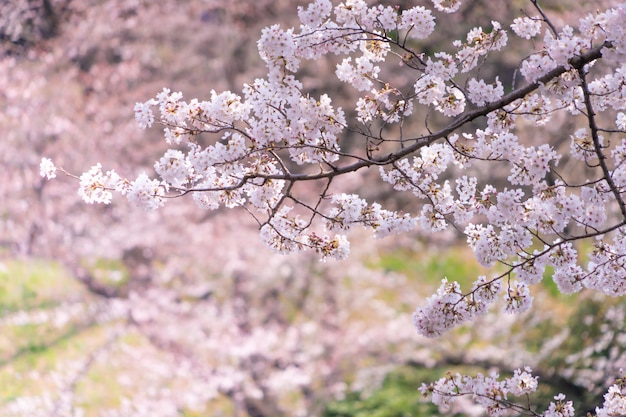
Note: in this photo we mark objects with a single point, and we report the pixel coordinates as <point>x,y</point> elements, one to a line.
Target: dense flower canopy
<point>255,148</point>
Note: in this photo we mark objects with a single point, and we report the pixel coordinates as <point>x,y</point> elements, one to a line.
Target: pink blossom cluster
<point>492,393</point>
<point>560,47</point>
<point>274,135</point>
<point>614,401</point>
<point>449,307</point>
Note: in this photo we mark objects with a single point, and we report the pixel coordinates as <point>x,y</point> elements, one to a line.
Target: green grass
<point>397,397</point>
<point>29,293</point>
<point>31,373</point>
<point>33,347</point>
<point>430,267</point>
<point>34,283</point>
<point>33,352</point>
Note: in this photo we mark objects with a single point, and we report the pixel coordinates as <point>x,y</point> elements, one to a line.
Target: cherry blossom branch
<point>575,63</point>
<point>545,18</point>
<point>598,147</point>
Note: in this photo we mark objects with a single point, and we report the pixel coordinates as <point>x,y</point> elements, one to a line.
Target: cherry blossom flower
<point>526,27</point>
<point>47,169</point>
<point>418,21</point>
<point>448,6</point>
<point>146,193</point>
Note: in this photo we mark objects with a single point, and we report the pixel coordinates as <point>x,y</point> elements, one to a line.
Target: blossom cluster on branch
<point>255,148</point>
<point>494,394</point>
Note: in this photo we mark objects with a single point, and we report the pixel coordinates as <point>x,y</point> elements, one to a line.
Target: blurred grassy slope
<point>37,335</point>
<point>51,327</point>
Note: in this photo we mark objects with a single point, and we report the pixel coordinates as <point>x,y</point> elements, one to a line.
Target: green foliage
<point>397,397</point>
<point>596,330</point>
<point>548,283</point>
<point>430,267</point>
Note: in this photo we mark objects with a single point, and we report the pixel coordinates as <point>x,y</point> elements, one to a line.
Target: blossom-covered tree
<point>471,144</point>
